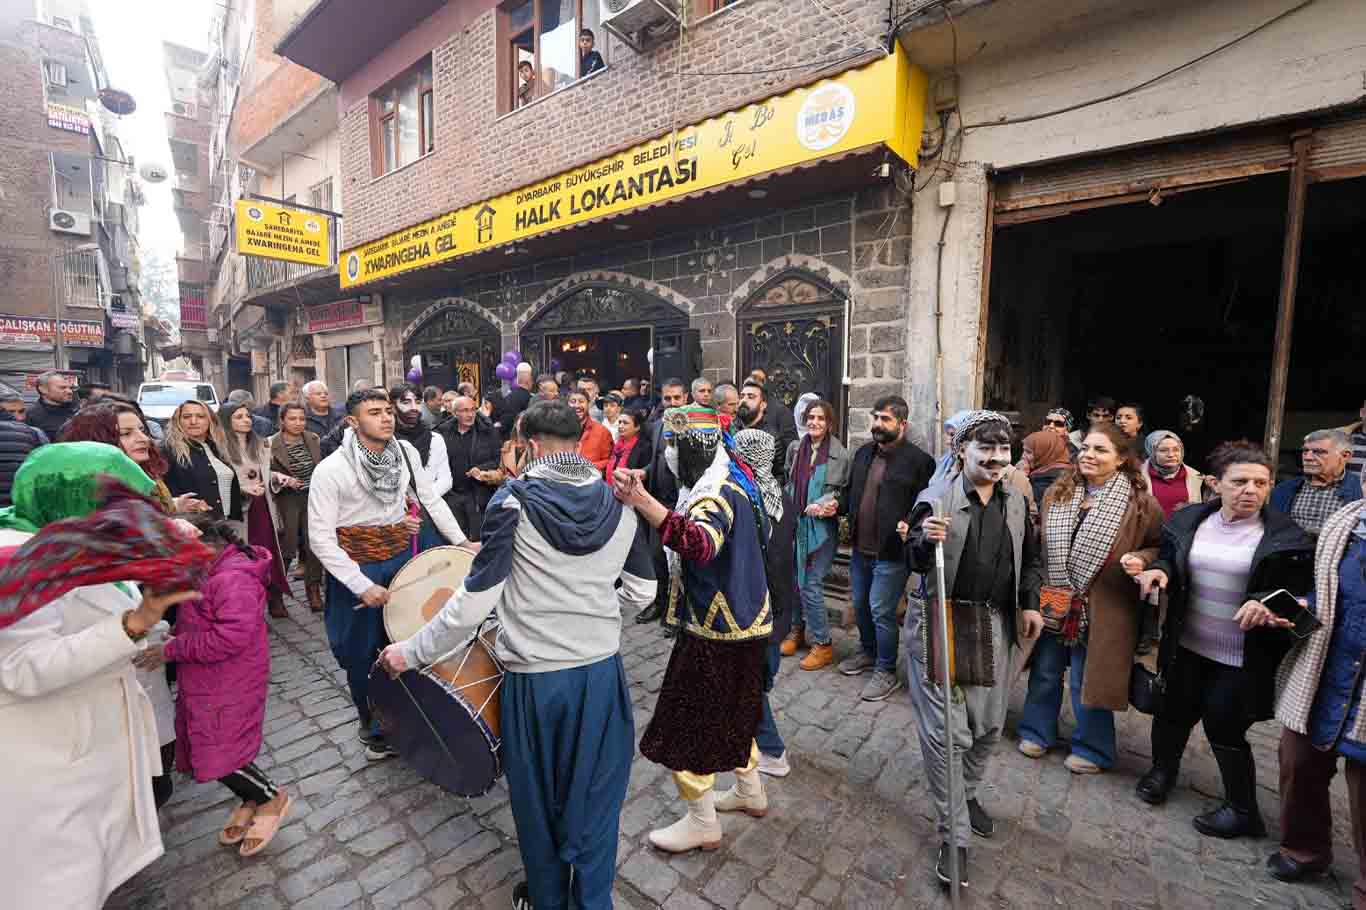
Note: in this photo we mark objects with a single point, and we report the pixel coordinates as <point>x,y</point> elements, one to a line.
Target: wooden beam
<point>1285,313</point>
<point>983,312</point>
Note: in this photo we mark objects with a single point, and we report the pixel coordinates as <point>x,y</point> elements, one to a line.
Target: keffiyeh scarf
<point>381,475</point>
<point>562,467</point>
<point>1075,553</point>
<point>756,447</point>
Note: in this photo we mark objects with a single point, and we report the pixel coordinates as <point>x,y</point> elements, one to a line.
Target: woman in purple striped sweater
<point>1220,645</point>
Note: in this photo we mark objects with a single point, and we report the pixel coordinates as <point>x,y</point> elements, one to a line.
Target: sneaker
<point>882,684</point>
<point>366,734</point>
<point>379,751</point>
<point>1031,749</point>
<point>981,823</point>
<point>521,897</point>
<point>941,866</point>
<point>774,766</point>
<point>858,664</point>
<point>1078,765</point>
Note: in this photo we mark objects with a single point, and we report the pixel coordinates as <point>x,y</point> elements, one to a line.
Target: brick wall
<point>26,242</point>
<point>480,153</point>
<point>856,243</point>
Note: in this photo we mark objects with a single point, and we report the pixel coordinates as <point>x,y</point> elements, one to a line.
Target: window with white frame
<point>403,120</point>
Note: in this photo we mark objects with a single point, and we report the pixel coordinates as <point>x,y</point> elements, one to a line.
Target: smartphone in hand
<point>1286,606</point>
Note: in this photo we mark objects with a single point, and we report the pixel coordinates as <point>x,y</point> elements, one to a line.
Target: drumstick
<point>434,569</point>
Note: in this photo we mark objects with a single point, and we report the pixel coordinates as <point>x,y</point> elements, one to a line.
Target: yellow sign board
<point>281,232</point>
<point>882,103</point>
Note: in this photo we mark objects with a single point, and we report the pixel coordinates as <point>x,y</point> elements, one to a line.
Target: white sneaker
<point>1031,749</point>
<point>698,830</point>
<point>746,796</point>
<point>774,767</point>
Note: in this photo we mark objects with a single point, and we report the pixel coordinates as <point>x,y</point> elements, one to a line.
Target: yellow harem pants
<point>692,786</point>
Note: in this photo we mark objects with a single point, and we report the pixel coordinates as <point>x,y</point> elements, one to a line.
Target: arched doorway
<point>607,330</point>
<point>456,345</point>
<point>792,328</point>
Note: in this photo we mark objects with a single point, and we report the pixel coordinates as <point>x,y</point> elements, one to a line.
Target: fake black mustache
<point>996,463</point>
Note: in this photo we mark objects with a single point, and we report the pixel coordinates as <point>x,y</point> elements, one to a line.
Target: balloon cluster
<point>507,370</point>
<point>415,373</point>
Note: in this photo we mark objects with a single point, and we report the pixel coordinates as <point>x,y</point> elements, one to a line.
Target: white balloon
<point>650,356</point>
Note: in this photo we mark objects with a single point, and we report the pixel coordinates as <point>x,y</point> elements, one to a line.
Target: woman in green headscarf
<point>81,738</point>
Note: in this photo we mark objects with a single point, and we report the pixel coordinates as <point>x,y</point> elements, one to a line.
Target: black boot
<point>1169,743</point>
<point>653,613</point>
<point>1238,816</point>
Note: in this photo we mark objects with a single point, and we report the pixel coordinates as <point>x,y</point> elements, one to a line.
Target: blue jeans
<point>356,636</point>
<point>769,740</point>
<point>1094,737</point>
<point>816,620</point>
<point>878,585</point>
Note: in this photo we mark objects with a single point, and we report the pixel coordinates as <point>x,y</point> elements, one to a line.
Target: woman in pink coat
<point>223,668</point>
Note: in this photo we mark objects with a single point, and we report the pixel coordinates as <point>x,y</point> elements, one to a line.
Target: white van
<point>159,398</point>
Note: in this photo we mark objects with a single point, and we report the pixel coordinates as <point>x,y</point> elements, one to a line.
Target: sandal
<point>264,827</point>
<point>239,819</point>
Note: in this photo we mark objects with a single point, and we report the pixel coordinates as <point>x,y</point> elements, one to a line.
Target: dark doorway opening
<point>611,357</point>
<point>1154,303</point>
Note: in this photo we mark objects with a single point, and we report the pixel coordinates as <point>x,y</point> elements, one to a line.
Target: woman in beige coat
<point>80,735</point>
<point>1099,528</point>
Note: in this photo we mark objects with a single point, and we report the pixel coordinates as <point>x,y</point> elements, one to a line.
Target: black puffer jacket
<point>16,441</point>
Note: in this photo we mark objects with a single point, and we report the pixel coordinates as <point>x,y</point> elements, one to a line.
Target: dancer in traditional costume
<point>555,544</point>
<point>363,530</point>
<point>712,698</point>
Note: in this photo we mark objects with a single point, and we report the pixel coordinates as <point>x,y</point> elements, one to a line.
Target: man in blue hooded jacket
<point>555,543</point>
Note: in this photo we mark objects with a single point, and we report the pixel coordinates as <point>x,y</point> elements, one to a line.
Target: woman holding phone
<point>1221,644</point>
<point>817,468</point>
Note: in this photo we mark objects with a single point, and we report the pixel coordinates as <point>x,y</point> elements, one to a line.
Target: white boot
<point>746,796</point>
<point>698,829</point>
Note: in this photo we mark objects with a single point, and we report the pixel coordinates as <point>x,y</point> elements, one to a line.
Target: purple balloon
<point>505,371</point>
<point>512,357</point>
<point>555,365</point>
<point>415,376</point>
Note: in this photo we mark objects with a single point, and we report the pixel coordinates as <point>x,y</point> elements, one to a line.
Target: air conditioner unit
<point>185,109</point>
<point>66,222</point>
<point>633,20</point>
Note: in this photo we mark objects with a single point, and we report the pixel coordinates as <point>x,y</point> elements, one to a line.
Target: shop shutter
<point>1338,149</point>
<point>1128,175</point>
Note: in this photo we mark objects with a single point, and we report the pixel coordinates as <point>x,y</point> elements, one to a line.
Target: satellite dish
<point>117,101</point>
<point>153,172</point>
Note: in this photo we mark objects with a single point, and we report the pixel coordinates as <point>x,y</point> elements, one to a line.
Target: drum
<point>444,719</point>
<point>422,587</point>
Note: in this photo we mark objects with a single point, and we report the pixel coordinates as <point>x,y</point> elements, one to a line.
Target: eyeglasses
<point>1054,423</point>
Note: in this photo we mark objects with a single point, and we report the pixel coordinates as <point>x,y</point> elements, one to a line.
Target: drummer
<point>555,542</point>
<point>361,528</point>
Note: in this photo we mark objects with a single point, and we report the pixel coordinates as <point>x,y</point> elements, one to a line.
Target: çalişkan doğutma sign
<point>280,232</point>
<point>881,103</point>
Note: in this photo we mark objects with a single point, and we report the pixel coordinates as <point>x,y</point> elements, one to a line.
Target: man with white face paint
<point>992,568</point>
<point>410,426</point>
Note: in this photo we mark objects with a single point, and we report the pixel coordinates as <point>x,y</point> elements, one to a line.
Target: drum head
<point>422,587</point>
<point>428,728</point>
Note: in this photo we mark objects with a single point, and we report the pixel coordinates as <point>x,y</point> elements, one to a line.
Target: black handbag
<point>1147,690</point>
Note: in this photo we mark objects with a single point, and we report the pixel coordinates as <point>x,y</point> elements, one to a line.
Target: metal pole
<point>951,775</point>
<point>59,267</point>
<point>1285,314</point>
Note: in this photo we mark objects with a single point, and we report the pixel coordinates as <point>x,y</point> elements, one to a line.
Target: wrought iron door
<point>793,330</point>
<point>798,354</point>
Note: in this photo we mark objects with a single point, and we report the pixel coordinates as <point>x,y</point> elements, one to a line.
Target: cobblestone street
<point>849,828</point>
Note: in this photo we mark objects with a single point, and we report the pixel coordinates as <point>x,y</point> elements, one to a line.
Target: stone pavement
<point>850,828</point>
